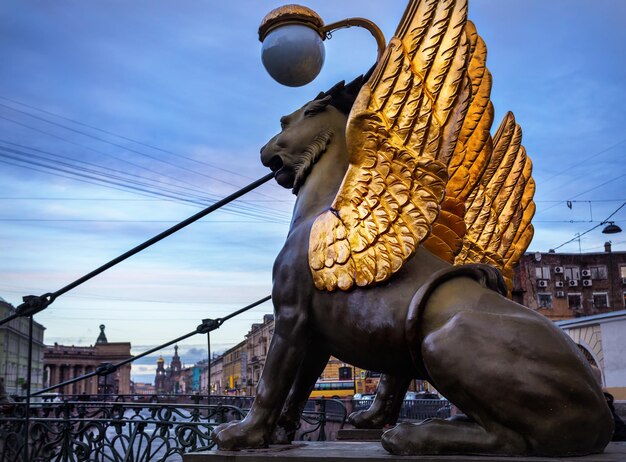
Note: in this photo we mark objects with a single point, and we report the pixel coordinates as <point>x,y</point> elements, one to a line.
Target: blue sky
<point>174,94</point>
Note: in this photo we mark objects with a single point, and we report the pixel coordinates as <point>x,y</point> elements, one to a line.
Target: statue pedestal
<point>358,434</point>
<point>347,451</point>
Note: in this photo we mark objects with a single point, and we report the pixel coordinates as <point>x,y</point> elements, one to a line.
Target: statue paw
<point>233,436</point>
<point>402,440</point>
<point>370,418</point>
<point>282,435</point>
<point>221,427</point>
<point>286,428</point>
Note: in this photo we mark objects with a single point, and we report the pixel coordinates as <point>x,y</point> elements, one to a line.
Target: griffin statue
<point>408,222</point>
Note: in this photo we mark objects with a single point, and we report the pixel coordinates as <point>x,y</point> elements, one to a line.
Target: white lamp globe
<point>293,54</point>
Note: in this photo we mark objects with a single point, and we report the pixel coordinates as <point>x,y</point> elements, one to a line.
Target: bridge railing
<point>126,429</point>
<point>413,409</point>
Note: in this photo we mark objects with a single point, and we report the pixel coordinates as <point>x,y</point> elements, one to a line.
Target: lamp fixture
<point>292,36</point>
<point>611,228</point>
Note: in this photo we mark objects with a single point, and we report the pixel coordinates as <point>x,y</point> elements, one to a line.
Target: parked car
<point>362,403</point>
<point>412,395</point>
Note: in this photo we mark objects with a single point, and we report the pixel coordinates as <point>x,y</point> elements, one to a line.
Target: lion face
<point>304,137</point>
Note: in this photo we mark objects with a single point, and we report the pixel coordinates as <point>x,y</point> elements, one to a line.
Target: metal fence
<point>413,409</point>
<point>421,409</point>
<point>127,429</point>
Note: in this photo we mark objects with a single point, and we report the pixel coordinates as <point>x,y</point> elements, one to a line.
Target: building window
<point>345,373</point>
<point>622,271</point>
<point>542,272</point>
<point>575,301</point>
<point>600,300</point>
<point>545,300</point>
<point>598,272</point>
<point>571,272</point>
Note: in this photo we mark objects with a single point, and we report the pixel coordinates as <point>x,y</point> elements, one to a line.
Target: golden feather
<point>500,209</point>
<point>401,135</point>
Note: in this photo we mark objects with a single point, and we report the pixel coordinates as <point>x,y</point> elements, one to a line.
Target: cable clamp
<point>33,304</point>
<point>208,325</point>
<point>105,369</point>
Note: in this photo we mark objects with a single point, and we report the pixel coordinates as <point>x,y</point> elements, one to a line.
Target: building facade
<point>234,370</point>
<point>63,363</point>
<point>601,338</point>
<point>569,285</point>
<point>217,375</point>
<point>257,344</point>
<point>203,366</point>
<point>142,388</point>
<point>14,353</point>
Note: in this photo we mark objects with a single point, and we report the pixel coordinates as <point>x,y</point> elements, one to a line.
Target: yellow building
<point>341,380</point>
<point>234,369</point>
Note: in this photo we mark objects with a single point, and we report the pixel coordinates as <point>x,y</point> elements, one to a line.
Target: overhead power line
<point>126,148</point>
<point>584,192</point>
<point>562,201</point>
<point>128,180</point>
<point>107,132</point>
<point>202,192</point>
<point>591,229</point>
<point>106,180</point>
<point>585,161</point>
<point>86,220</point>
<point>88,148</point>
<point>602,246</point>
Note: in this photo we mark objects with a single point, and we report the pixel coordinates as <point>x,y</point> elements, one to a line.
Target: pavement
<point>349,451</point>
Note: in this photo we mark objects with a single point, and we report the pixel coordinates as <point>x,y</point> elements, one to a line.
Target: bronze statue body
<point>524,386</point>
<point>406,210</point>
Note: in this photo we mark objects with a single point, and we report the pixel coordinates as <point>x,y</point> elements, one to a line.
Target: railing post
<point>208,369</point>
<point>322,434</point>
<point>29,369</point>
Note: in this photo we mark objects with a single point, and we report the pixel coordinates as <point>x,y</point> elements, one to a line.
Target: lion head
<point>306,133</point>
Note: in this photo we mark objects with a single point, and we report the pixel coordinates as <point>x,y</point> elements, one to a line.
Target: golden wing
<point>470,158</point>
<point>500,208</point>
<point>490,189</point>
<point>401,135</point>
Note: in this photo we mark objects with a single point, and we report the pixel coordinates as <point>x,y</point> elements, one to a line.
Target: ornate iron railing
<point>128,430</point>
<point>413,409</point>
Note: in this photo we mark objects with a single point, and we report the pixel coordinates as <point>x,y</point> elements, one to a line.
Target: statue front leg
<point>289,421</point>
<point>288,347</point>
<point>386,406</point>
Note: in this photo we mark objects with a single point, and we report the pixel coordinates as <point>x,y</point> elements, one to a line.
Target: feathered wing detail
<point>490,187</point>
<point>401,135</point>
<point>471,155</point>
<point>500,208</point>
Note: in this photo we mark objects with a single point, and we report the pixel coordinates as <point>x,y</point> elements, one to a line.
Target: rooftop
<point>596,318</point>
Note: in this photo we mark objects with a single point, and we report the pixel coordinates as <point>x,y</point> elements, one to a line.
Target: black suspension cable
<point>105,369</point>
<point>34,304</point>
